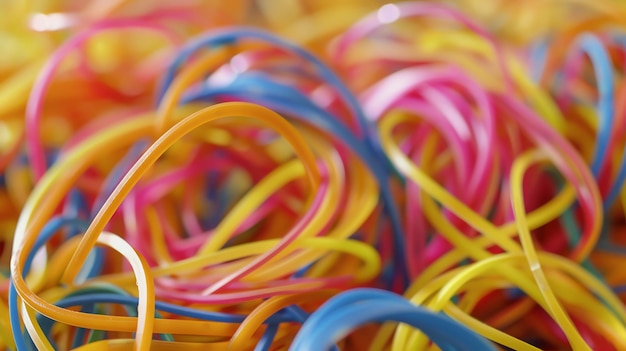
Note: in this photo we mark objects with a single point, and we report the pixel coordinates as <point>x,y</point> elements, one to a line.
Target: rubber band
<point>187,125</point>
<point>376,315</point>
<point>385,142</point>
<point>327,75</point>
<point>414,9</point>
<point>34,108</point>
<point>262,191</point>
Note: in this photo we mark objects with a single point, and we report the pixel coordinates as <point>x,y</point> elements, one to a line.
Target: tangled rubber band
<point>307,175</point>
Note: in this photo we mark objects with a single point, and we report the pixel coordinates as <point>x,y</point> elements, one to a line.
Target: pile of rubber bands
<point>312,175</point>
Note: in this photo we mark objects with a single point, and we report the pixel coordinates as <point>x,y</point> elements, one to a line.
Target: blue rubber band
<point>351,309</point>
